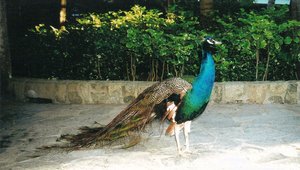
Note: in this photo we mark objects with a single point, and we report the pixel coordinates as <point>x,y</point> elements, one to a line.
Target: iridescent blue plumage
<point>196,99</point>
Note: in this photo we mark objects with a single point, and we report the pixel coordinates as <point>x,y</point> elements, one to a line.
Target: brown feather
<point>133,118</point>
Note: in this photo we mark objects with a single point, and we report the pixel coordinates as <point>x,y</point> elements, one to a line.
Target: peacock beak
<point>211,41</point>
<point>217,42</point>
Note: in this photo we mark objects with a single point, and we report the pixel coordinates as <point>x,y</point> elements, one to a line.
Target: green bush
<point>258,45</point>
<point>138,44</point>
<point>145,44</point>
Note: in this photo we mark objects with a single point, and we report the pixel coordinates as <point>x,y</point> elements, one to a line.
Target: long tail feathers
<point>132,120</point>
<point>127,123</point>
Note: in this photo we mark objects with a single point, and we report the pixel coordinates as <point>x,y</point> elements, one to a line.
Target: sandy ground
<point>232,137</point>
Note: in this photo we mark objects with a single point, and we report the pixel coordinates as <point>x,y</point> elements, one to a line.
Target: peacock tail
<point>131,120</point>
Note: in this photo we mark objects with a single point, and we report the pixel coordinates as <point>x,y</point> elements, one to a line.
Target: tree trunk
<point>257,62</point>
<point>265,77</point>
<point>162,71</point>
<point>295,12</point>
<point>271,3</point>
<point>5,61</point>
<point>133,67</point>
<point>170,2</point>
<point>295,9</point>
<point>206,7</point>
<point>63,12</point>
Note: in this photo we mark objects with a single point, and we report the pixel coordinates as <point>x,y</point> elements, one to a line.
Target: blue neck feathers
<point>205,80</point>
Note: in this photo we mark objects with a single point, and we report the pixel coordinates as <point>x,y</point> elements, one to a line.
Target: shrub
<point>143,44</point>
<point>138,44</point>
<point>258,45</point>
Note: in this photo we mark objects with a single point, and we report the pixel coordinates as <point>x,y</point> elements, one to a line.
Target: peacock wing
<point>141,109</point>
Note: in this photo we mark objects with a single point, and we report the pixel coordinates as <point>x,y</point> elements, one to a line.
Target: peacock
<point>180,101</point>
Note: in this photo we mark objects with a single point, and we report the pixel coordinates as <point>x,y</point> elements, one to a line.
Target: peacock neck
<point>203,84</point>
<point>207,68</point>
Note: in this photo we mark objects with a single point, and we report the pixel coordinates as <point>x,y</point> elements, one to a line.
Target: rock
<point>74,97</point>
<point>276,99</point>
<point>234,92</point>
<point>31,94</point>
<point>217,93</point>
<point>256,93</point>
<point>291,94</point>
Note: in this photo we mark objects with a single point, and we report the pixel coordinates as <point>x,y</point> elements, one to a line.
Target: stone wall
<point>118,92</point>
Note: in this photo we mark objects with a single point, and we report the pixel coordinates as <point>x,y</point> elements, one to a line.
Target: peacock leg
<point>186,130</point>
<point>177,131</point>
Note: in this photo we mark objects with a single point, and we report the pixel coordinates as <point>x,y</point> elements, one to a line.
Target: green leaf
<point>269,34</point>
<point>246,44</point>
<point>288,40</point>
<point>297,40</point>
<point>255,36</point>
<point>277,46</point>
<point>262,44</point>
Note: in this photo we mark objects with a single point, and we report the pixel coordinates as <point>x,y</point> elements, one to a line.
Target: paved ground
<point>224,137</point>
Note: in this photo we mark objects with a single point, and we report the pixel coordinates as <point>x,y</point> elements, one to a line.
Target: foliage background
<point>147,44</point>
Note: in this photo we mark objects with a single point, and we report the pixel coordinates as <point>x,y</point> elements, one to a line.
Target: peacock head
<point>209,44</point>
